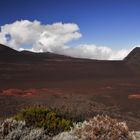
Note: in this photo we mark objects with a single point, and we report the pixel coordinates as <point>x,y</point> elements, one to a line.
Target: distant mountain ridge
<point>9,54</point>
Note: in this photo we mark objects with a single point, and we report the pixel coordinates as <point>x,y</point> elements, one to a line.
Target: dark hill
<point>7,50</point>
<point>134,56</point>
<point>8,54</point>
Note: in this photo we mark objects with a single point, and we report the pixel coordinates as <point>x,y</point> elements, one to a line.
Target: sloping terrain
<point>134,56</point>
<point>87,87</point>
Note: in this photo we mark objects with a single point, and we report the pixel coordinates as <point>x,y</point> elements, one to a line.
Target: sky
<point>96,29</point>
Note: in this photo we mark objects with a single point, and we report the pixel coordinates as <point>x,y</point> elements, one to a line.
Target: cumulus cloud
<point>37,35</point>
<point>54,38</point>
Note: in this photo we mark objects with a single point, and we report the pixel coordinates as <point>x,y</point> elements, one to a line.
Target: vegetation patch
<point>40,117</point>
<point>40,123</point>
<point>98,128</point>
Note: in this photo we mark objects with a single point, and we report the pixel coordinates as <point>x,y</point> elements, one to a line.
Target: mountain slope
<point>6,50</point>
<point>134,56</point>
<point>8,54</point>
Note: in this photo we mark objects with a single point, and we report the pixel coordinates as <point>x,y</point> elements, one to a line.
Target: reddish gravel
<point>134,96</point>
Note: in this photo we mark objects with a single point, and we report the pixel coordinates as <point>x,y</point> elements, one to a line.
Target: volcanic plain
<point>83,86</point>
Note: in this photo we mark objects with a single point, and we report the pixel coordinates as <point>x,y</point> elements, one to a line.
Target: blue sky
<point>112,23</point>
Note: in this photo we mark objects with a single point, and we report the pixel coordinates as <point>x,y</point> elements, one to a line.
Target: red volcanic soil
<point>134,96</point>
<point>17,92</point>
<point>30,92</point>
<point>12,92</point>
<point>86,87</point>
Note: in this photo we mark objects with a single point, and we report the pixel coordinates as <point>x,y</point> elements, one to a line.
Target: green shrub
<point>69,114</point>
<point>52,121</point>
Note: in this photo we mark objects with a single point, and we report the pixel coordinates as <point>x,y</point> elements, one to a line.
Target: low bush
<point>65,112</point>
<point>53,122</point>
<point>11,129</point>
<point>98,128</point>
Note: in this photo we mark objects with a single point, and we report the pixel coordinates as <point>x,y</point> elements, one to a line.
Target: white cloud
<point>25,32</point>
<point>93,52</point>
<point>54,38</point>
